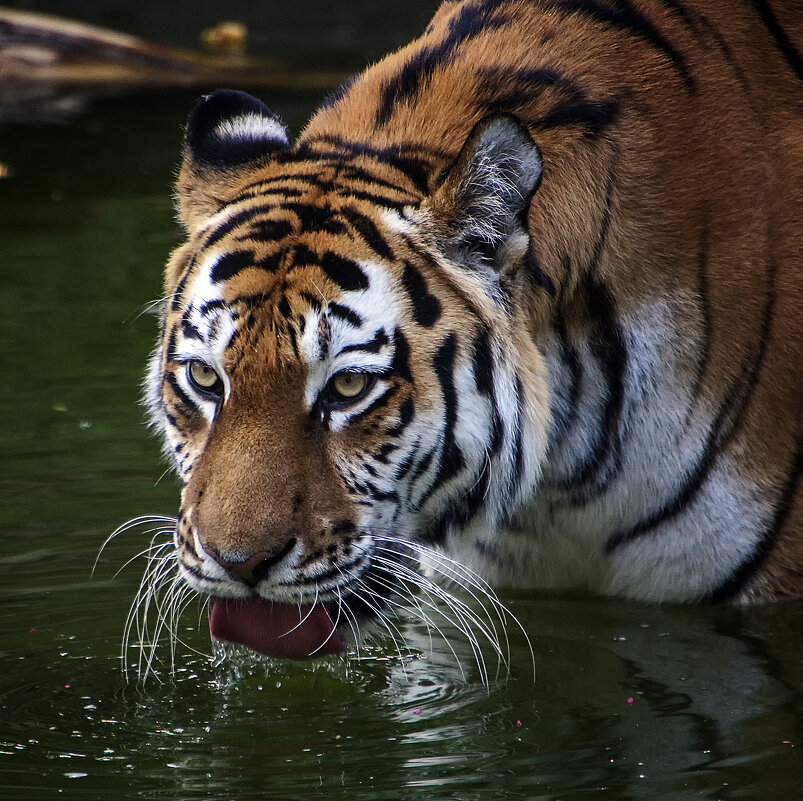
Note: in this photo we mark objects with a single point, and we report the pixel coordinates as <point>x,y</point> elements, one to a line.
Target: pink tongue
<point>275,629</point>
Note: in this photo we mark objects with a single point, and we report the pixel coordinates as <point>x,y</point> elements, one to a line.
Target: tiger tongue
<point>286,631</point>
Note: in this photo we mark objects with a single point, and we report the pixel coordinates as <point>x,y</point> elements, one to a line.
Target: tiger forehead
<point>254,246</point>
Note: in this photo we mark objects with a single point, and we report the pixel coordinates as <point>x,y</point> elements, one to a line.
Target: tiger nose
<point>252,569</point>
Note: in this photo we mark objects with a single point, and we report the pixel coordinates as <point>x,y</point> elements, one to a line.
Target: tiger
<point>521,305</point>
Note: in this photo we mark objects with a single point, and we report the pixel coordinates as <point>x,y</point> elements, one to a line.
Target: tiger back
<point>527,293</point>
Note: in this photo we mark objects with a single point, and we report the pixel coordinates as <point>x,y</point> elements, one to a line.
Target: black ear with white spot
<point>480,209</point>
<point>228,134</point>
<point>230,128</point>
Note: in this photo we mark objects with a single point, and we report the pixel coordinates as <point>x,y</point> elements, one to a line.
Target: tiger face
<point>344,369</point>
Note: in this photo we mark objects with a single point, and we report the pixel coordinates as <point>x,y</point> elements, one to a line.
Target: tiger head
<point>344,370</point>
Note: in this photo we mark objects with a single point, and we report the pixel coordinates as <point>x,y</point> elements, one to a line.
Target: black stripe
<point>472,20</point>
<point>379,340</point>
<point>720,433</point>
<point>182,396</point>
<point>630,20</point>
<point>344,272</point>
<point>595,117</point>
<point>518,448</point>
<point>406,415</point>
<point>533,270</point>
<point>571,361</point>
<point>706,320</point>
<point>423,465</point>
<point>452,459</point>
<point>483,366</point>
<point>267,230</point>
<point>785,45</point>
<point>607,345</point>
<point>426,307</point>
<point>189,330</point>
<point>182,283</point>
<point>407,463</point>
<point>233,222</point>
<point>377,199</point>
<point>231,264</point>
<point>313,300</point>
<point>401,356</point>
<point>291,333</point>
<point>377,403</point>
<point>459,513</point>
<point>412,160</point>
<point>211,306</point>
<point>265,188</point>
<point>353,173</point>
<point>283,307</point>
<point>482,362</point>
<point>366,228</point>
<point>170,349</point>
<point>677,9</point>
<point>345,313</point>
<point>723,429</point>
<point>501,91</point>
<point>505,89</point>
<point>384,452</point>
<point>315,218</point>
<point>379,495</point>
<point>735,583</point>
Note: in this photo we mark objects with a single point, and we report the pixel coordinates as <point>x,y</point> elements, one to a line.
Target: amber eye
<point>204,378</point>
<point>349,385</point>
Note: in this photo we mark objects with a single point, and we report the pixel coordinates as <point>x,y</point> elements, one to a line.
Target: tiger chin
<point>522,303</point>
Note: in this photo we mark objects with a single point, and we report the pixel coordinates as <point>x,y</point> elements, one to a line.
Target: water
<point>628,702</point>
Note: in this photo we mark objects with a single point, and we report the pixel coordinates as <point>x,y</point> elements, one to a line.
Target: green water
<point>628,702</point>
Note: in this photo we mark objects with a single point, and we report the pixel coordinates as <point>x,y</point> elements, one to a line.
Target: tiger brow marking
<point>189,330</point>
<point>379,340</point>
<point>346,314</point>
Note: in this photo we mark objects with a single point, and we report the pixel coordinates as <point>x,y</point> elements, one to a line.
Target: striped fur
<point>563,241</point>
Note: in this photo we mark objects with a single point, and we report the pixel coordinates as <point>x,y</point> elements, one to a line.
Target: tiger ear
<point>226,132</point>
<point>480,208</point>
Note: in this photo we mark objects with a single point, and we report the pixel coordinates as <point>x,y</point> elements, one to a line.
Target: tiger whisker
<point>428,622</point>
<point>465,613</point>
<point>127,526</point>
<point>466,617</point>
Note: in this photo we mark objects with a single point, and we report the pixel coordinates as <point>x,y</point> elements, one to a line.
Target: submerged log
<point>38,48</point>
<point>51,66</point>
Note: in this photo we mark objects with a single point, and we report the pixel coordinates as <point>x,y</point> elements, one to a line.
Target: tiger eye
<point>348,385</point>
<point>203,376</point>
